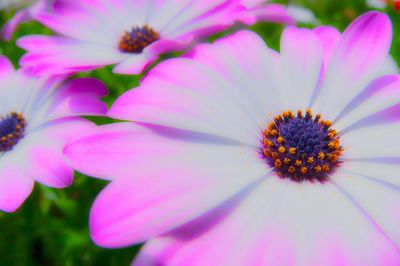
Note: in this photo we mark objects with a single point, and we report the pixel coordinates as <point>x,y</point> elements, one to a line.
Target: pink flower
<point>130,34</point>
<point>217,170</point>
<point>38,117</point>
<point>261,10</point>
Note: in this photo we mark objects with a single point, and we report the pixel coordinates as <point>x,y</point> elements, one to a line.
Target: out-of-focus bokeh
<point>51,228</point>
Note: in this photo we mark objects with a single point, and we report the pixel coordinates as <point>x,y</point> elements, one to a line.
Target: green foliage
<point>51,228</point>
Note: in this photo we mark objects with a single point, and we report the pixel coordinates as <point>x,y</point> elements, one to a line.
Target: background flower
<point>211,198</point>
<point>38,117</point>
<point>129,34</point>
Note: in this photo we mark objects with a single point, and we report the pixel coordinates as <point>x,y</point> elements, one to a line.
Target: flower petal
<point>107,151</point>
<point>268,12</point>
<point>389,67</point>
<point>378,141</point>
<point>299,47</point>
<point>15,186</point>
<point>378,199</point>
<point>52,173</point>
<point>53,55</point>
<point>193,174</point>
<point>329,37</point>
<point>6,67</point>
<point>247,70</point>
<point>360,53</point>
<point>9,27</point>
<point>87,42</point>
<point>199,17</point>
<point>374,170</point>
<point>279,224</point>
<point>81,19</point>
<point>134,64</point>
<point>81,96</point>
<point>48,142</point>
<point>167,203</point>
<point>190,95</point>
<point>380,95</point>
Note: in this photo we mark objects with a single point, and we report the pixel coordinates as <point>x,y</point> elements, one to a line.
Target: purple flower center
<point>301,147</point>
<point>136,39</point>
<point>12,128</point>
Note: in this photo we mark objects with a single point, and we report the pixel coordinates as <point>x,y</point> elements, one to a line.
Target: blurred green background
<point>51,228</point>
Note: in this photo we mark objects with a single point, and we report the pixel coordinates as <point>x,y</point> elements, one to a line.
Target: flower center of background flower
<point>301,147</point>
<point>138,38</point>
<point>12,128</point>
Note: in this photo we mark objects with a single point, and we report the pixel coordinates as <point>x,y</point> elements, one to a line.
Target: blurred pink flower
<point>38,117</point>
<point>130,34</point>
<point>262,10</point>
<point>217,171</point>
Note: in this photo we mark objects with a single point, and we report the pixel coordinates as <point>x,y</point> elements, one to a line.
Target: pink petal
<point>358,57</point>
<point>192,101</point>
<point>189,167</point>
<point>107,151</point>
<point>201,17</point>
<point>173,17</point>
<point>207,97</point>
<point>389,67</point>
<point>329,37</point>
<point>167,45</point>
<point>279,224</point>
<point>48,142</point>
<point>300,47</point>
<point>267,13</point>
<point>245,68</point>
<point>377,170</point>
<point>378,198</point>
<point>15,187</point>
<point>85,46</point>
<point>23,15</point>
<point>9,27</point>
<point>134,64</point>
<point>375,141</point>
<point>112,150</point>
<point>238,231</point>
<point>6,67</point>
<point>381,94</point>
<point>81,96</point>
<point>169,201</point>
<point>52,55</point>
<point>79,20</point>
<point>53,173</point>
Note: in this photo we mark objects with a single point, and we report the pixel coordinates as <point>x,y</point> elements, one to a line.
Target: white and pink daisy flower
<point>263,10</point>
<point>127,33</point>
<point>38,117</point>
<point>218,171</point>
